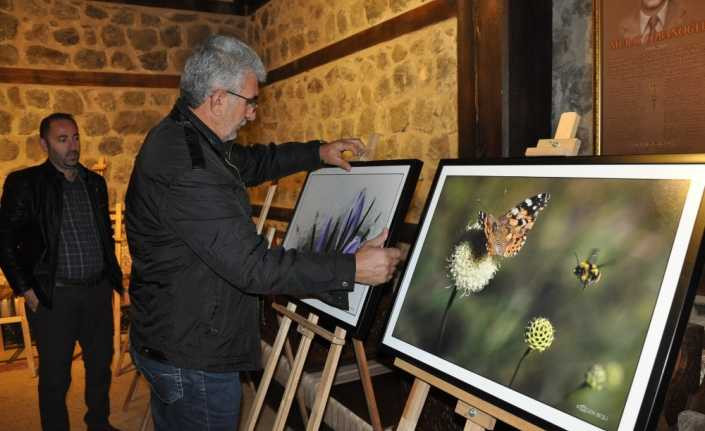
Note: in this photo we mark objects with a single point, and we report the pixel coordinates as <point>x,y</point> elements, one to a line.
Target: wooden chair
<point>21,318</point>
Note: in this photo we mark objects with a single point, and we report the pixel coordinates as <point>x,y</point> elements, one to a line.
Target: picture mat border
<point>657,167</point>
<point>411,170</point>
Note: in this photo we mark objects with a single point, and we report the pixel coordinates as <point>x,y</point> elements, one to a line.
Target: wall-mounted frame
<point>337,211</point>
<point>648,92</point>
<point>555,289</point>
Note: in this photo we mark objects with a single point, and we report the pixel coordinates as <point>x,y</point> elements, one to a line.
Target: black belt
<point>91,281</point>
<point>152,354</point>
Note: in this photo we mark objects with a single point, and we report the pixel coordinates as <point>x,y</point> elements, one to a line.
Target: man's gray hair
<point>219,62</point>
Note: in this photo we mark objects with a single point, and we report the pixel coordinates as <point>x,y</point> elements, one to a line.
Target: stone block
<point>95,12</point>
<point>422,116</point>
<point>38,33</point>
<point>112,36</point>
<point>178,58</point>
<point>171,36</point>
<point>374,9</point>
<point>47,56</point>
<point>69,102</point>
<point>183,17</point>
<point>150,20</point>
<point>399,117</point>
<point>29,123</point>
<point>13,93</point>
<point>161,99</point>
<point>133,98</point>
<point>6,5</point>
<point>90,59</point>
<point>67,36</point>
<point>89,36</point>
<point>135,122</point>
<point>155,60</point>
<point>123,17</point>
<point>8,55</point>
<point>106,101</point>
<point>34,8</point>
<point>197,33</point>
<point>96,124</point>
<point>64,11</point>
<point>399,53</point>
<point>8,150</point>
<point>5,123</point>
<point>8,26</point>
<point>110,146</point>
<point>37,98</point>
<point>121,60</point>
<point>144,39</point>
<point>33,149</point>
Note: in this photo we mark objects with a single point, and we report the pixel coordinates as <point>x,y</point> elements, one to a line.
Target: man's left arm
<point>259,163</point>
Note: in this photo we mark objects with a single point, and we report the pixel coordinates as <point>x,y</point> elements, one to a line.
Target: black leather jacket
<point>30,221</point>
<point>198,263</point>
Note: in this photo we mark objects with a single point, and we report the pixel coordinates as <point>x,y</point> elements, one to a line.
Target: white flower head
<point>469,273</point>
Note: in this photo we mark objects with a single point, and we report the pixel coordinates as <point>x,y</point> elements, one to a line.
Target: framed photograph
<point>556,289</point>
<point>337,211</point>
<point>648,74</point>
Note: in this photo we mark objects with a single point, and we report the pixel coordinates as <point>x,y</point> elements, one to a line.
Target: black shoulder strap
<point>194,149</point>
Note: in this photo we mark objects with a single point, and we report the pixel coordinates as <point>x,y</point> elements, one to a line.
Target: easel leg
<point>300,400</point>
<point>269,368</point>
<point>367,387</point>
<point>414,405</point>
<point>296,369</point>
<point>319,405</point>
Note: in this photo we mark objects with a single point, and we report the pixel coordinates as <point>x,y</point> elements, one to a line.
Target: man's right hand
<point>375,264</point>
<point>31,299</point>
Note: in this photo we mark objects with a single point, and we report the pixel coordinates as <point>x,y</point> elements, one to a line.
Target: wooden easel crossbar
<point>480,415</point>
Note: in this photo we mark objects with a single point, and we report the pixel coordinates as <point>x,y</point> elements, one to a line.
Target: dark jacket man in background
<point>198,263</point>
<point>57,250</point>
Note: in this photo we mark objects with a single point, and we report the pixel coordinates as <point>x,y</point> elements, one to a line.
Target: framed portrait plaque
<point>649,96</point>
<point>557,290</point>
<point>337,211</point>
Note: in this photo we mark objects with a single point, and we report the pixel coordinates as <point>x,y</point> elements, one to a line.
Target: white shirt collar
<point>644,19</point>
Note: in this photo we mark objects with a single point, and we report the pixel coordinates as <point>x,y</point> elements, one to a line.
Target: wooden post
<point>117,300</point>
<point>367,387</point>
<point>266,206</point>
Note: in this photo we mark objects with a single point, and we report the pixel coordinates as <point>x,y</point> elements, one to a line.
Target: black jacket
<point>198,263</point>
<point>30,221</point>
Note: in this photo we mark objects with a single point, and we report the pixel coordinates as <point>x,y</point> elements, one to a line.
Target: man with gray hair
<point>198,263</point>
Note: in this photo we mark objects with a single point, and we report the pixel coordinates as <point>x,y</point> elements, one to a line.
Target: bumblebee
<point>587,271</point>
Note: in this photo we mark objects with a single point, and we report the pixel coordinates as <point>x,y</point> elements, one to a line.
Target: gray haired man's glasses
<point>251,101</point>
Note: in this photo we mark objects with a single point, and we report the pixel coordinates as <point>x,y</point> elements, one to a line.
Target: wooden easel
<point>564,142</point>
<point>308,328</point>
<point>479,414</point>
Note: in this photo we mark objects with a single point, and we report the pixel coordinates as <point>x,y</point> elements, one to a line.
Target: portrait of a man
<point>651,17</point>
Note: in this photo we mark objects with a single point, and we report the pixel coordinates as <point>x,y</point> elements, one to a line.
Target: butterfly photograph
<point>539,286</point>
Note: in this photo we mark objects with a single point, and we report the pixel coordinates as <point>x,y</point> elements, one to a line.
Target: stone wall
<point>91,36</point>
<point>401,94</point>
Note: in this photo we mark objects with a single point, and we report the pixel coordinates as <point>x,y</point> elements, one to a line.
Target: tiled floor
<point>19,407</point>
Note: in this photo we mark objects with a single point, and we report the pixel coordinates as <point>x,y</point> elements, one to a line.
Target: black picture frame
<point>324,193</point>
<point>549,392</point>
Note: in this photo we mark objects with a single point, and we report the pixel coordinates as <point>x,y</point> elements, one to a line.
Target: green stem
<point>516,370</point>
<point>444,320</point>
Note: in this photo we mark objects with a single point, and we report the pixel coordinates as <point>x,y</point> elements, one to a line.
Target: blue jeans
<point>190,400</point>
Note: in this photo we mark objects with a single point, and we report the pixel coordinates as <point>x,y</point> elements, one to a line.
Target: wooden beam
<point>467,80</point>
<point>416,19</point>
<point>9,75</point>
<point>239,7</point>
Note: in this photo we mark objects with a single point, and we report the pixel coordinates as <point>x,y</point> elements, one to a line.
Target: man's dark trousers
<point>83,313</point>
